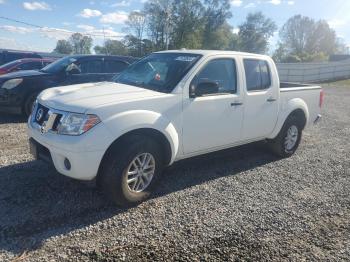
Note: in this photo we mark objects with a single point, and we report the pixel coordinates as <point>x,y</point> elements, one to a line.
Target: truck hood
<point>82,97</point>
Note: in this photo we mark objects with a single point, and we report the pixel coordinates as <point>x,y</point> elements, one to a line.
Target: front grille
<point>41,114</point>
<point>46,119</point>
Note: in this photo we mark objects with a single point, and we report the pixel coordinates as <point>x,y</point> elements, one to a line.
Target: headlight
<point>74,124</point>
<point>9,84</point>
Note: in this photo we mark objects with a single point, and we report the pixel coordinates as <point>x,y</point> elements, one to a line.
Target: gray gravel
<point>240,204</point>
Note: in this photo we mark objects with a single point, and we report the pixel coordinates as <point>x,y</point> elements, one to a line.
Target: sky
<point>59,19</point>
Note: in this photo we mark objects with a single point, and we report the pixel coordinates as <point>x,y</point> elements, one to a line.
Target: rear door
<point>261,105</point>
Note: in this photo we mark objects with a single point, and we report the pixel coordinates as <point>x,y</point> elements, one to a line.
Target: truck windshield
<point>58,65</point>
<point>160,71</point>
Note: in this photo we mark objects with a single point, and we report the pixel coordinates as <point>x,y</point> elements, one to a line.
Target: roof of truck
<point>212,52</point>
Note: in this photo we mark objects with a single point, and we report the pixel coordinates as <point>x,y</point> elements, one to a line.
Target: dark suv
<point>19,90</point>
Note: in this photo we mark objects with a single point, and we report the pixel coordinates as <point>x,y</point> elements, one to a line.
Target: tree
<point>308,40</point>
<point>342,48</point>
<point>187,24</point>
<point>255,32</point>
<point>295,34</point>
<point>131,44</point>
<point>159,22</point>
<point>111,47</point>
<point>323,39</point>
<point>136,25</point>
<point>280,53</point>
<point>81,43</point>
<point>63,47</point>
<point>216,14</point>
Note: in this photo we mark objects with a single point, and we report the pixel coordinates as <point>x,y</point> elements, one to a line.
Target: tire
<point>28,104</point>
<point>113,179</point>
<point>288,139</point>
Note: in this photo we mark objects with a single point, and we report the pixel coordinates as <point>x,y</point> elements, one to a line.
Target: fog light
<point>67,164</point>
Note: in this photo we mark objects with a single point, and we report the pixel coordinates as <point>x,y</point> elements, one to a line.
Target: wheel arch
<point>152,133</point>
<point>295,107</point>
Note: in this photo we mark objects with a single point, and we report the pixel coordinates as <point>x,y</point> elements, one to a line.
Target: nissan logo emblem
<point>39,114</point>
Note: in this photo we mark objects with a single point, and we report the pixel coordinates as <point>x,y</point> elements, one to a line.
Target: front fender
<point>286,110</point>
<point>125,122</point>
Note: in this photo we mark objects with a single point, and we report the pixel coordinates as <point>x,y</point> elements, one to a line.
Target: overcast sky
<point>108,17</point>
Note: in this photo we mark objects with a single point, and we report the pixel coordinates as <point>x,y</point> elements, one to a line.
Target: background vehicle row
<point>19,90</point>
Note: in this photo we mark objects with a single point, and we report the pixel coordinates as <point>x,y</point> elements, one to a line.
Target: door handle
<point>271,99</point>
<point>236,104</point>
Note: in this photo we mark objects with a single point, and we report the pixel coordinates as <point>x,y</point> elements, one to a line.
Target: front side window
<point>221,71</point>
<point>159,71</point>
<point>257,74</point>
<point>60,65</point>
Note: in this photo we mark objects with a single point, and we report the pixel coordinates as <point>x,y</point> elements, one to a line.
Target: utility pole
<point>104,40</point>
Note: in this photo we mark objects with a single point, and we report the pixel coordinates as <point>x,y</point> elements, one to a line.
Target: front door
<point>86,71</point>
<point>214,120</point>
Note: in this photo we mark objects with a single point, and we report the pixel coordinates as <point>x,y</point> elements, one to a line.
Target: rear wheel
<point>288,139</point>
<point>28,104</point>
<point>131,170</point>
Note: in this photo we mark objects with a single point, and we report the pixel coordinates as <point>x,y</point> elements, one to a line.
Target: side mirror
<point>72,69</point>
<point>204,88</point>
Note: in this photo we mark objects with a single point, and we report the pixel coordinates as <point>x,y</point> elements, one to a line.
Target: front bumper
<point>84,152</point>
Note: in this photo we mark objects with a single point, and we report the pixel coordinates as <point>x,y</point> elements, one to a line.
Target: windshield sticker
<point>185,58</point>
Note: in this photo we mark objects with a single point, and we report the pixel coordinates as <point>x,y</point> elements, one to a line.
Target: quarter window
<point>30,66</point>
<point>114,66</point>
<point>91,66</point>
<point>221,71</point>
<point>257,74</point>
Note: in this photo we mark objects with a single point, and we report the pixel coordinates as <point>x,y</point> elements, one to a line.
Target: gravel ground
<point>239,204</point>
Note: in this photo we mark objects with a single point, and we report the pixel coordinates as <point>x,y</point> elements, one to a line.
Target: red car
<point>25,64</point>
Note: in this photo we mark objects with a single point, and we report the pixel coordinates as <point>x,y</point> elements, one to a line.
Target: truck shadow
<point>12,119</point>
<point>36,203</point>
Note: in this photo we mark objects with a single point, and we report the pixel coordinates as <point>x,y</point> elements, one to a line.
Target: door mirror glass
<point>204,88</point>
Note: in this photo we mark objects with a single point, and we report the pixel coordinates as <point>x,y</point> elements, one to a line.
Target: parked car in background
<point>25,64</point>
<point>168,106</point>
<point>19,90</point>
<point>7,56</point>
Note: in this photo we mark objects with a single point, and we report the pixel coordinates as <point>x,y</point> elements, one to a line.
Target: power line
<point>53,30</point>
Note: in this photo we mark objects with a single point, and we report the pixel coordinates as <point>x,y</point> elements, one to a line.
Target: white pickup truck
<point>168,106</point>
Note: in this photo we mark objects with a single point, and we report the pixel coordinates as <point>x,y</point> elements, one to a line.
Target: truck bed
<point>309,94</point>
<point>290,85</point>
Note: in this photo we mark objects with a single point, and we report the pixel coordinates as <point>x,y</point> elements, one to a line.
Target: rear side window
<point>257,74</point>
<point>222,71</point>
<point>114,66</point>
<point>30,66</point>
<point>91,66</point>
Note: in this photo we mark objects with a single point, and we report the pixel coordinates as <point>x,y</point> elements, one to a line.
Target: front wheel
<point>131,171</point>
<point>288,139</point>
<point>28,104</point>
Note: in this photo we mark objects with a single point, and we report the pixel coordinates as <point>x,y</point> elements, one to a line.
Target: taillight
<point>321,98</point>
